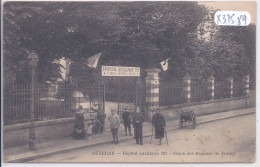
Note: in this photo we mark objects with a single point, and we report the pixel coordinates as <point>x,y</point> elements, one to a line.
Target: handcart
<point>187,117</point>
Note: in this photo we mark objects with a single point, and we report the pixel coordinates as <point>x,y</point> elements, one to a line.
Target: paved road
<point>229,140</point>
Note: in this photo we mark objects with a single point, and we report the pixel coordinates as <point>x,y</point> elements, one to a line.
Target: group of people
<point>97,125</point>
<point>137,119</point>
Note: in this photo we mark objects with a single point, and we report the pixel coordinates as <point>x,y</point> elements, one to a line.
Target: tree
<point>234,52</point>
<point>127,33</point>
<point>53,30</point>
<point>19,28</point>
<point>150,33</point>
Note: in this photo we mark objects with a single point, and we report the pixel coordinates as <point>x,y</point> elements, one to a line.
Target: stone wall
<point>204,108</point>
<point>48,130</point>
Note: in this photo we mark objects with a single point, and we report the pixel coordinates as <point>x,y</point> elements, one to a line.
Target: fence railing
<point>199,92</point>
<point>16,105</point>
<point>239,89</point>
<point>222,90</point>
<point>171,94</point>
<point>60,100</point>
<point>50,102</point>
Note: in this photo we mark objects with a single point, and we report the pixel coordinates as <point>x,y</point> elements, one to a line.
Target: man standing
<point>114,125</point>
<point>159,123</point>
<point>127,119</point>
<point>138,126</point>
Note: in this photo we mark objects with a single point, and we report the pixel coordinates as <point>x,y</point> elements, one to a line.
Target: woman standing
<point>159,123</point>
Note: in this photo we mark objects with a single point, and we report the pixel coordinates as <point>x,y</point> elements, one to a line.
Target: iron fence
<point>239,89</point>
<point>16,103</point>
<point>51,102</point>
<point>199,91</point>
<point>112,93</point>
<point>222,90</point>
<point>170,94</point>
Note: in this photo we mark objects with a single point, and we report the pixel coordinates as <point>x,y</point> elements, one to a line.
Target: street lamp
<point>33,64</point>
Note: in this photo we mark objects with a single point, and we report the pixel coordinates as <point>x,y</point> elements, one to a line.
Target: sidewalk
<point>48,148</point>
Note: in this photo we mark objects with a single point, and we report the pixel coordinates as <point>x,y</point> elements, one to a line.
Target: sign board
<point>118,71</point>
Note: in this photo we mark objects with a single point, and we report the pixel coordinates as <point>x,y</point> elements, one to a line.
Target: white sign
<point>232,18</point>
<point>120,71</point>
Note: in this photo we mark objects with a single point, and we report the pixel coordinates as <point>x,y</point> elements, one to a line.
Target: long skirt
<point>79,133</point>
<point>159,132</point>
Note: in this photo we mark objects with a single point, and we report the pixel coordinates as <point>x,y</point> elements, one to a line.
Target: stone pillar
<point>187,88</point>
<point>231,83</point>
<point>211,87</point>
<point>152,91</point>
<point>246,83</point>
<point>246,89</point>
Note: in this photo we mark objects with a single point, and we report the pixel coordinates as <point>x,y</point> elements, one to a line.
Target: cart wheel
<point>194,122</point>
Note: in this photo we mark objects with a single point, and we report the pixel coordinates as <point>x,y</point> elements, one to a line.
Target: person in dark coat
<point>138,126</point>
<point>79,127</point>
<point>159,124</point>
<point>127,119</point>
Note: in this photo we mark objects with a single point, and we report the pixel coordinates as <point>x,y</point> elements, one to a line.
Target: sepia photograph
<point>128,81</point>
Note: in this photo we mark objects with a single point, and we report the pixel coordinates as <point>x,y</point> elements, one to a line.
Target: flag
<point>93,60</point>
<point>164,64</point>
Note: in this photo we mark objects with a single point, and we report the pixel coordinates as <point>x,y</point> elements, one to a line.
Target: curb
<point>29,158</point>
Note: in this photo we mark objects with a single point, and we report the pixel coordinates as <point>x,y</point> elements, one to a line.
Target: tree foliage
<point>235,52</point>
<point>128,34</point>
<point>150,33</point>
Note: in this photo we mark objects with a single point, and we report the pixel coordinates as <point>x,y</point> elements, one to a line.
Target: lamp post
<point>33,64</point>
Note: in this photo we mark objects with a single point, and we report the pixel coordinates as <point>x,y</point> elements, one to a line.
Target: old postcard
<point>121,81</point>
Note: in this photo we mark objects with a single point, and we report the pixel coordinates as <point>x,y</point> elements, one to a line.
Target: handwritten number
<point>244,18</point>
<point>224,18</point>
<point>218,16</point>
<point>230,18</point>
<point>239,20</point>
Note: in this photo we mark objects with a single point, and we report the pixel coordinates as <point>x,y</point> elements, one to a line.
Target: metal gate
<point>94,103</point>
<point>128,96</point>
<point>95,96</point>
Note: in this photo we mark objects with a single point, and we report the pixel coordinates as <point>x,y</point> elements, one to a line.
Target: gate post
<point>152,91</point>
<point>230,81</point>
<point>246,83</point>
<point>211,87</point>
<point>246,89</point>
<point>187,88</point>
